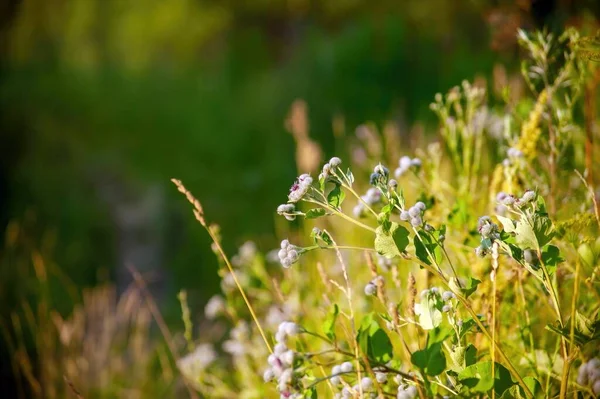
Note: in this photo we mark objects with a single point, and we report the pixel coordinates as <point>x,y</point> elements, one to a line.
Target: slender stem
<point>342,215</point>
<point>480,325</point>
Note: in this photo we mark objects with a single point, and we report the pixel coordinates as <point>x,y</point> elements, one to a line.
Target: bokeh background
<point>103,101</point>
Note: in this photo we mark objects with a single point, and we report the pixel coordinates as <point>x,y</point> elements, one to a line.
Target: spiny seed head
<point>346,367</point>
<point>335,162</point>
<point>359,210</point>
<point>268,375</point>
<point>405,162</point>
<point>381,377</point>
<point>429,228</point>
<point>382,170</point>
<point>508,200</point>
<point>447,295</point>
<point>285,244</point>
<point>336,369</point>
<point>366,383</point>
<point>446,308</point>
<point>413,211</point>
<point>335,380</point>
<point>415,163</point>
<point>416,221</point>
<point>486,230</point>
<point>421,206</point>
<point>392,184</point>
<point>404,215</point>
<point>370,289</point>
<point>528,196</point>
<point>500,196</point>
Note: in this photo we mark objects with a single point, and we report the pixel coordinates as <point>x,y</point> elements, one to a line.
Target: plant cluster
<point>503,249</point>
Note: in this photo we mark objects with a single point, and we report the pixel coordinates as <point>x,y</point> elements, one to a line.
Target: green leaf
<point>471,287</point>
<point>524,235</point>
<point>462,357</point>
<point>374,341</point>
<point>551,258</point>
<point>424,243</point>
<point>585,331</point>
<point>315,213</point>
<point>517,392</point>
<point>543,229</point>
<point>429,312</point>
<point>431,360</point>
<point>329,323</point>
<point>508,224</point>
<point>479,378</point>
<point>336,197</point>
<point>311,393</point>
<point>350,176</point>
<point>391,242</point>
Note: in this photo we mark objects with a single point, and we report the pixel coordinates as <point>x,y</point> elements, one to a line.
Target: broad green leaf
<point>543,229</point>
<point>329,323</point>
<point>508,224</point>
<point>471,287</point>
<point>391,242</point>
<point>315,213</point>
<point>429,312</point>
<point>478,377</point>
<point>336,197</point>
<point>517,392</point>
<point>551,258</point>
<point>462,357</point>
<point>525,236</point>
<point>425,245</point>
<point>431,360</point>
<point>374,341</point>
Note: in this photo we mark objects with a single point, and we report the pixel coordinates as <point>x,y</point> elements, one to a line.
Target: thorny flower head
<point>300,187</point>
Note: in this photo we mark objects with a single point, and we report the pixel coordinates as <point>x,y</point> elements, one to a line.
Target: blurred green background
<point>103,101</point>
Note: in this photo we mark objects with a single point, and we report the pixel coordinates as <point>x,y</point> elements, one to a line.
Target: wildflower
<point>446,308</point>
<point>336,380</point>
<point>359,210</point>
<point>372,197</point>
<point>384,263</point>
<point>405,163</point>
<point>300,188</point>
<point>268,375</point>
<point>280,349</point>
<point>416,221</point>
<point>370,289</point>
<point>404,215</point>
<point>286,210</point>
<point>508,200</point>
<point>500,196</point>
<point>528,196</point>
<point>214,307</point>
<point>448,295</point>
<point>392,184</point>
<point>406,392</point>
<point>414,211</point>
<point>379,176</point>
<point>346,367</point>
<point>420,205</point>
<point>335,162</point>
<point>288,357</point>
<point>589,375</point>
<point>288,254</point>
<point>382,170</point>
<point>366,383</point>
<point>381,377</point>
